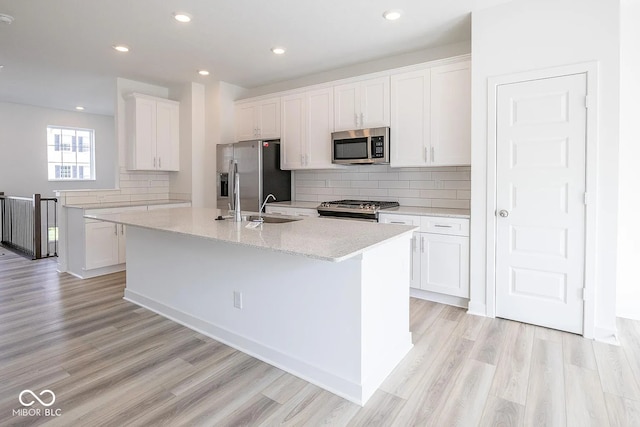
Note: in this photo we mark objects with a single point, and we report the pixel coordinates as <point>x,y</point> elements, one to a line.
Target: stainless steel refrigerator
<point>260,174</point>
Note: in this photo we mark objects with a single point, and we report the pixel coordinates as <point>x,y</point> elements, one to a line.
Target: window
<point>70,153</point>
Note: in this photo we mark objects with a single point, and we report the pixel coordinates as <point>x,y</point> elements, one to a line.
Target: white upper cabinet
<point>410,117</point>
<point>363,104</point>
<point>153,133</point>
<point>431,116</point>
<point>451,114</point>
<point>258,120</point>
<point>307,123</point>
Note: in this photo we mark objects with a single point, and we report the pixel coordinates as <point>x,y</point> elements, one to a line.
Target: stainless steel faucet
<point>266,199</point>
<point>237,214</point>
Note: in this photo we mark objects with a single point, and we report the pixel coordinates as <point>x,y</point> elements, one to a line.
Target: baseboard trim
<point>477,309</point>
<point>440,298</point>
<point>606,335</point>
<point>356,393</point>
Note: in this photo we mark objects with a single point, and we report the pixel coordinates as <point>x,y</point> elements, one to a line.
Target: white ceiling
<point>57,53</point>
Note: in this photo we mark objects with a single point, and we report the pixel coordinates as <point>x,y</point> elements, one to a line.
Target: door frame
<point>591,168</point>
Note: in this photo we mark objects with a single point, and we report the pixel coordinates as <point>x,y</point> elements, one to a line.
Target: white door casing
<point>541,146</point>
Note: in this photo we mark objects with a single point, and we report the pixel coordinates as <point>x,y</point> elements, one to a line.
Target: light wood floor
<point>112,363</point>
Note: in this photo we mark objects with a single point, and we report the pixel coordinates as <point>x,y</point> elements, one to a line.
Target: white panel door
<point>540,241</point>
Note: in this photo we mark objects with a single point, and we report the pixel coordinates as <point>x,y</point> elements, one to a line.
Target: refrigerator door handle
<point>232,185</point>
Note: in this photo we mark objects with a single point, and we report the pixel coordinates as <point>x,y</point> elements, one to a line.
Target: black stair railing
<point>25,220</point>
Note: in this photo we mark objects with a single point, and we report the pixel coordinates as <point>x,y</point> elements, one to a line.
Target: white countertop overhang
<point>325,239</point>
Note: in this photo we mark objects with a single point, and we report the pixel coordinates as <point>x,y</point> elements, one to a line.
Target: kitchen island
<point>324,299</point>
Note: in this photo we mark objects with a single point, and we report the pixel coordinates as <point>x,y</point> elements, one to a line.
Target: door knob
<point>503,213</point>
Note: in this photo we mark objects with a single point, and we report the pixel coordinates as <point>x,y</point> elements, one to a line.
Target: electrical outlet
<point>237,299</point>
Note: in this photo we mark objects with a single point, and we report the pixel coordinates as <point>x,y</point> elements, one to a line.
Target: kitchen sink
<point>271,219</point>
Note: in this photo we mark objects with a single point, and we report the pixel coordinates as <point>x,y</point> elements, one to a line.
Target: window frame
<point>78,144</point>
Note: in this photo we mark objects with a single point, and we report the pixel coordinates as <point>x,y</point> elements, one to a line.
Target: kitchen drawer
<point>291,211</point>
<point>384,218</point>
<point>445,225</point>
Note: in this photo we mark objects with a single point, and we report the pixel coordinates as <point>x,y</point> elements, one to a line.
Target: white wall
<point>536,34</point>
<point>365,68</point>
<point>23,144</point>
<point>220,97</point>
<point>628,289</point>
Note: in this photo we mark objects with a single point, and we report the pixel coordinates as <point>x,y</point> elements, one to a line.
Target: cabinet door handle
<point>433,155</point>
<point>115,229</point>
<point>422,244</point>
<point>443,226</point>
<point>159,162</point>
<point>154,162</point>
<point>426,154</point>
<point>356,118</point>
<point>122,229</point>
<point>396,222</point>
<point>362,119</point>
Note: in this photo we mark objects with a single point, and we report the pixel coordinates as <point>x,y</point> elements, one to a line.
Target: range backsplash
<point>442,187</point>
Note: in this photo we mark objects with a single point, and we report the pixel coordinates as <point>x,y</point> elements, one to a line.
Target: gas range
<point>357,209</point>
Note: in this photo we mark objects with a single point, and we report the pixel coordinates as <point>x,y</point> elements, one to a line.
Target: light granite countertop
<point>111,205</point>
<point>331,240</point>
<point>401,210</point>
<point>420,211</point>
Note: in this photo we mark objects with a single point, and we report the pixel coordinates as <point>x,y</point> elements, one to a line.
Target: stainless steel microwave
<point>360,146</point>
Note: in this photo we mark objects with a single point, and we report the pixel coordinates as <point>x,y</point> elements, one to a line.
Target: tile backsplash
<point>135,186</point>
<point>442,187</point>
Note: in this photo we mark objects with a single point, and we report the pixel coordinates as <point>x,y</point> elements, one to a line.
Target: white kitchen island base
<point>342,325</point>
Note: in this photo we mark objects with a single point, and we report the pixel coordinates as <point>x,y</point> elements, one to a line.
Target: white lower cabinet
<point>444,264</point>
<point>97,247</point>
<point>439,253</point>
<point>291,211</point>
<point>102,244</point>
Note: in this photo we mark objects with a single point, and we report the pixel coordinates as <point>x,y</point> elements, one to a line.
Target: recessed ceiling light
<point>203,72</point>
<point>278,50</point>
<point>182,17</point>
<point>5,19</point>
<point>392,15</point>
<point>80,108</point>
<point>121,48</point>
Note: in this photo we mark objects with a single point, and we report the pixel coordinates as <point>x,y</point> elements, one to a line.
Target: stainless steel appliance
<point>361,146</point>
<point>258,165</point>
<point>355,209</point>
